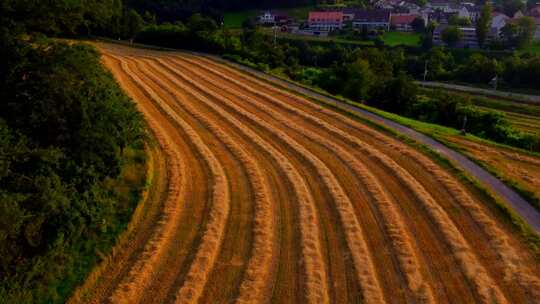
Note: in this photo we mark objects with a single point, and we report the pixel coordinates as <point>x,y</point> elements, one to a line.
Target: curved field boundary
<point>473,269</point>
<point>527,212</point>
<point>316,277</point>
<point>140,272</point>
<point>137,233</point>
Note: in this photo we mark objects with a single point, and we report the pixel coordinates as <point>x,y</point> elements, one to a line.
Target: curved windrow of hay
<point>498,239</point>
<point>515,270</point>
<point>316,286</point>
<point>364,212</point>
<point>394,223</point>
<point>211,240</point>
<point>256,277</point>
<point>359,250</point>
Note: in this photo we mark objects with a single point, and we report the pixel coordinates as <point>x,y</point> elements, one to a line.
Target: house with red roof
<point>402,23</point>
<point>325,20</point>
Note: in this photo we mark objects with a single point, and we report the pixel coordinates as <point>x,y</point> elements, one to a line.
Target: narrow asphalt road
<point>502,94</point>
<point>514,200</point>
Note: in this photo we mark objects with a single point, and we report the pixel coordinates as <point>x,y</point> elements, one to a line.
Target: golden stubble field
<point>512,164</point>
<point>267,197</point>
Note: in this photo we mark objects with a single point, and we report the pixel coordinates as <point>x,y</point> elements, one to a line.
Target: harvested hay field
<point>516,167</point>
<point>272,198</point>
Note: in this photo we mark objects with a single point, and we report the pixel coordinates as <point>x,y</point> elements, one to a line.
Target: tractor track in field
<point>268,197</point>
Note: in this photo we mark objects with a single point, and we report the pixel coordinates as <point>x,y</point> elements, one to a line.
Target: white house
<point>442,5</point>
<point>271,18</point>
<point>498,21</point>
<point>267,18</point>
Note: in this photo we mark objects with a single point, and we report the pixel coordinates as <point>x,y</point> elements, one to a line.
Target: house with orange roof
<point>325,20</point>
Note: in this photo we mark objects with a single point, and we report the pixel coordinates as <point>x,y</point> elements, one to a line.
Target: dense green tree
<point>519,33</point>
<point>522,71</point>
<point>149,18</point>
<point>459,21</point>
<point>439,63</point>
<point>133,24</point>
<point>479,68</point>
<point>451,35</point>
<point>395,95</point>
<point>63,125</point>
<point>359,80</point>
<point>199,23</point>
<point>483,24</point>
<point>526,30</point>
<point>379,61</point>
<point>61,16</point>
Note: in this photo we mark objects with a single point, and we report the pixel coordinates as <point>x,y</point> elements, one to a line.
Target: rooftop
<point>402,19</point>
<point>372,16</point>
<point>325,15</point>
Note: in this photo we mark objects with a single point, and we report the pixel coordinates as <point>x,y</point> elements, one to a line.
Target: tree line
<point>379,76</point>
<point>66,133</point>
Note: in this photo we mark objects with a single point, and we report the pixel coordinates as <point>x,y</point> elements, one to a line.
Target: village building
<point>440,17</point>
<point>474,12</point>
<point>325,20</point>
<point>348,14</point>
<point>273,18</point>
<point>498,21</point>
<point>402,23</point>
<point>441,5</point>
<point>372,19</point>
<point>468,40</point>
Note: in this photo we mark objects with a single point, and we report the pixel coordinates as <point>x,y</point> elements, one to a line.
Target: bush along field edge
<point>72,176</point>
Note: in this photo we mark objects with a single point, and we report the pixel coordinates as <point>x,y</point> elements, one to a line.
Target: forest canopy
<point>65,128</point>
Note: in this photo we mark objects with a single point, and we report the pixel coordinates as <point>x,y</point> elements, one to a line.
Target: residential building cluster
<point>397,15</point>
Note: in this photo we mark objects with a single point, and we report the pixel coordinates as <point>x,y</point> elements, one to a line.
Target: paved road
<point>520,205</point>
<point>508,95</point>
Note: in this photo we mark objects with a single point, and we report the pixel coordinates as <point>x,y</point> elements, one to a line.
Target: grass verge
<point>400,38</point>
